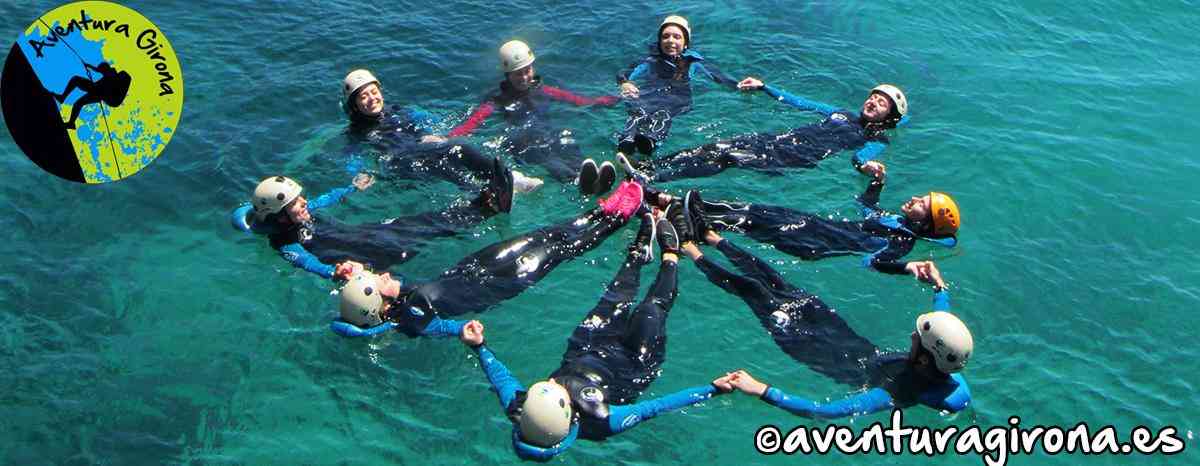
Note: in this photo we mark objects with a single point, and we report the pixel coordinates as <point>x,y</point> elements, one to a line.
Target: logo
<point>592,395</point>
<point>92,92</point>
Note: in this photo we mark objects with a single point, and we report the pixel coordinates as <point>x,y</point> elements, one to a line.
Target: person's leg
<point>606,322</point>
<point>78,107</point>
<point>76,82</point>
<point>507,268</point>
<point>751,265</point>
<point>647,332</point>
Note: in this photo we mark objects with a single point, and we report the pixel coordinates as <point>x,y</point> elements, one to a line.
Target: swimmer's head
<point>545,414</point>
<point>674,36</point>
<point>367,297</point>
<point>944,338</point>
<point>363,93</point>
<point>273,195</point>
<point>885,105</point>
<point>516,60</point>
<point>936,213</point>
<point>362,300</point>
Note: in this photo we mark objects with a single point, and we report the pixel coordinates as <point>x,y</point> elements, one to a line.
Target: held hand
<point>874,168</point>
<point>724,383</point>
<point>629,90</point>
<point>472,333</point>
<point>347,269</point>
<point>363,181</point>
<point>750,84</point>
<point>927,272</point>
<point>747,384</point>
<point>432,139</point>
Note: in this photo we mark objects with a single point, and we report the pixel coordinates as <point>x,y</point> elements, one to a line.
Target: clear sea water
<point>137,328</point>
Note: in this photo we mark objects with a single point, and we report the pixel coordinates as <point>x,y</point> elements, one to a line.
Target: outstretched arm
<point>716,75</point>
<point>502,380</point>
<point>474,121</point>
<point>572,98</point>
<point>330,198</point>
<point>624,417</point>
<point>873,400</point>
<point>444,328</point>
<point>870,197</point>
<point>300,258</point>
<point>870,151</point>
<point>799,102</point>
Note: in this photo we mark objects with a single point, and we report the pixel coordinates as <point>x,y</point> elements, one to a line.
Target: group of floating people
<point>619,347</point>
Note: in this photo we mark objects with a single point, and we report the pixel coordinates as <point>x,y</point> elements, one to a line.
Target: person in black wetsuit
<point>614,354</point>
<point>315,244</point>
<point>815,335</point>
<point>665,74</point>
<point>803,147</point>
<point>111,88</point>
<point>881,236</point>
<point>408,147</point>
<point>524,101</point>
<point>493,274</point>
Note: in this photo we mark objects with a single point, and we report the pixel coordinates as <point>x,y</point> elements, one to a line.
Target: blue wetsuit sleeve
<point>799,102</point>
<point>941,301</point>
<point>422,119</point>
<point>870,151</point>
<point>870,401</point>
<point>443,328</point>
<point>330,198</point>
<point>301,258</point>
<point>624,417</point>
<point>502,380</point>
<point>952,397</point>
<point>715,74</point>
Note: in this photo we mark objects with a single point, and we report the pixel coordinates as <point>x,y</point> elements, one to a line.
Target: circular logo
<point>92,92</point>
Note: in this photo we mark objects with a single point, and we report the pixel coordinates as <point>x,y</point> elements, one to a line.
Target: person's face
<point>521,79</point>
<point>370,100</point>
<point>877,107</point>
<point>389,286</point>
<point>917,208</point>
<point>671,40</point>
<point>297,210</point>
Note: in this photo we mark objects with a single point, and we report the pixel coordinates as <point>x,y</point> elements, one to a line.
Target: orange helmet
<point>945,214</point>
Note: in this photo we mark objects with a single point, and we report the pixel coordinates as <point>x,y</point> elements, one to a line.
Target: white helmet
<point>546,414</point>
<point>682,23</point>
<point>896,95</point>
<point>362,300</point>
<point>273,193</point>
<point>947,338</point>
<point>515,55</point>
<point>356,80</point>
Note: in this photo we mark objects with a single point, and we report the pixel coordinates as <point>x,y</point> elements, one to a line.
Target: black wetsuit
<point>665,92</point>
<point>815,335</point>
<point>505,269</point>
<point>611,358</point>
<point>802,147</point>
<point>883,237</point>
<point>531,138</point>
<point>396,134</point>
<point>377,245</point>
<point>618,349</point>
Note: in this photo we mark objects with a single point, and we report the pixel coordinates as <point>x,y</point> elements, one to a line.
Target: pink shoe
<point>624,201</point>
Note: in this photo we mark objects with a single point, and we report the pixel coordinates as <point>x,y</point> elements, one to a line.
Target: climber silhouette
<point>110,89</point>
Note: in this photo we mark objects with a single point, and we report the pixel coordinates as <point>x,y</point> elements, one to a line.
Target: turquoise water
<point>138,328</point>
